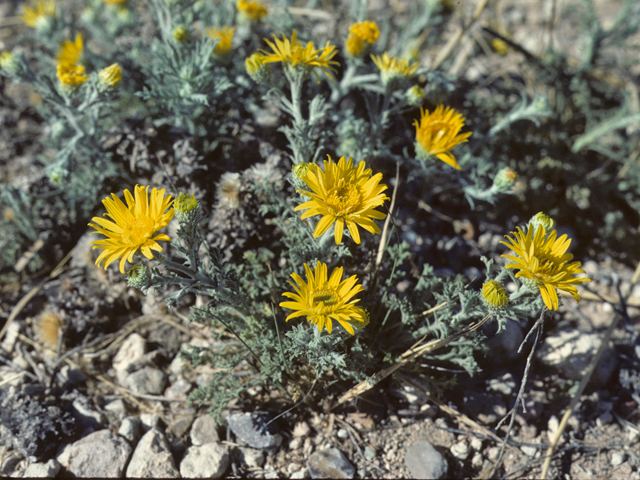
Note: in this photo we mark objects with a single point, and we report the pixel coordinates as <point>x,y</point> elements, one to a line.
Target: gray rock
<point>149,421</point>
<point>147,380</point>
<point>505,384</point>
<point>210,460</point>
<point>42,470</point>
<point>571,350</point>
<point>617,458</point>
<point>251,457</point>
<point>330,463</point>
<point>300,474</point>
<point>424,461</point>
<point>131,351</point>
<point>86,417</point>
<point>152,457</point>
<point>252,429</point>
<point>100,454</point>
<point>369,453</point>
<point>507,342</point>
<point>181,424</point>
<point>131,429</point>
<point>117,408</point>
<point>179,389</point>
<point>204,430</point>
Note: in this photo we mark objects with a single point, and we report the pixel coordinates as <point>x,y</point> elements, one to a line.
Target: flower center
<point>328,299</point>
<point>138,231</point>
<point>548,267</point>
<point>344,198</point>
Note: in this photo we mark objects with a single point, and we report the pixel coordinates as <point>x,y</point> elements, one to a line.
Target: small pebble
<point>493,453</point>
<point>460,450</point>
<point>617,458</point>
<point>295,444</point>
<point>477,460</point>
<point>342,433</point>
<point>528,450</point>
<point>149,421</point>
<point>476,443</point>
<point>604,419</point>
<point>369,453</point>
<point>301,430</point>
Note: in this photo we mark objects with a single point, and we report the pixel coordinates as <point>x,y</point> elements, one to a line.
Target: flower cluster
<point>70,72</point>
<point>541,258</point>
<point>361,35</point>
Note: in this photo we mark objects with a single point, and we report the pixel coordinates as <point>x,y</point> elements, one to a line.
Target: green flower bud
<point>504,179</point>
<point>494,295</point>
<point>139,276</point>
<point>299,173</point>
<point>180,34</point>
<point>542,219</point>
<point>186,208</point>
<point>414,95</point>
<point>257,69</point>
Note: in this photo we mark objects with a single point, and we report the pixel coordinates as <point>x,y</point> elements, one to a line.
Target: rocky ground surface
<point>125,411</point>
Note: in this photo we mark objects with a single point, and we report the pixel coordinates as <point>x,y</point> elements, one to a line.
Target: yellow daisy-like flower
<point>134,225</point>
<point>494,294</point>
<point>361,35</point>
<point>225,35</point>
<point>438,132</point>
<point>543,259</point>
<point>343,194</point>
<point>115,2</point>
<point>38,11</point>
<point>394,68</point>
<point>291,53</point>
<point>252,11</point>
<point>70,52</point>
<point>323,300</point>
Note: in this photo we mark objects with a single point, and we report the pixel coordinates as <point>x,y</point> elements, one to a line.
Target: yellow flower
<point>180,34</point>
<point>111,75</point>
<point>343,194</point>
<point>438,132</point>
<point>292,53</point>
<point>116,2</point>
<point>225,35</point>
<point>252,11</point>
<point>38,11</point>
<point>361,35</point>
<point>394,68</point>
<point>499,46</point>
<point>70,52</point>
<point>494,294</point>
<point>543,259</point>
<point>323,300</point>
<point>133,227</point>
<point>71,75</point>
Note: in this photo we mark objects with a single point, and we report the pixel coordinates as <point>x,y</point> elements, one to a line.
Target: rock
<point>152,457</point>
<point>301,429</point>
<point>131,351</point>
<point>100,454</point>
<point>505,343</point>
<point>571,350</point>
<point>252,457</point>
<point>295,444</point>
<point>149,421</point>
<point>42,470</point>
<point>505,384</point>
<point>529,450</point>
<point>204,430</point>
<point>617,458</point>
<point>300,474</point>
<point>181,424</point>
<point>70,378</point>
<point>424,461</point>
<point>252,429</point>
<point>487,408</point>
<point>147,380</point>
<point>330,463</point>
<point>87,418</point>
<point>477,460</point>
<point>342,433</point>
<point>117,408</point>
<point>460,450</point>
<point>210,460</point>
<point>10,337</point>
<point>369,453</point>
<point>178,390</point>
<point>131,429</point>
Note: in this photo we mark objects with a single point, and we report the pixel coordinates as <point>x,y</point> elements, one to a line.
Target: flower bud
<point>139,276</point>
<point>494,294</point>
<point>414,95</point>
<point>186,208</point>
<point>9,63</point>
<point>257,69</point>
<point>299,173</point>
<point>110,76</point>
<point>504,179</point>
<point>542,219</point>
<point>180,34</point>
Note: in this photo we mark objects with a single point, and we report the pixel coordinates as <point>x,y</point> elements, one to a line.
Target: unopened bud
<point>494,294</point>
<point>504,179</point>
<point>542,219</point>
<point>139,276</point>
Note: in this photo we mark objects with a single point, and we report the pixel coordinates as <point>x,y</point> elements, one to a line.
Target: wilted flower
<point>393,68</point>
<point>132,227</point>
<point>228,191</point>
<point>293,55</point>
<point>110,76</point>
<point>225,35</point>
<point>343,194</point>
<point>494,294</point>
<point>438,132</point>
<point>543,260</point>
<point>39,12</point>
<point>322,300</point>
<point>361,35</point>
<point>251,11</point>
